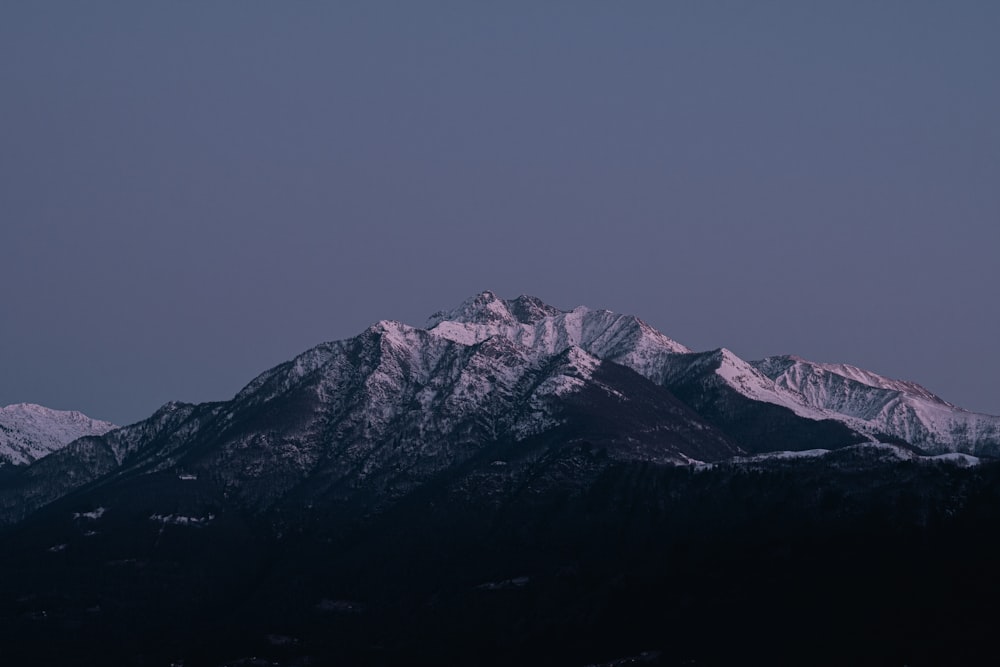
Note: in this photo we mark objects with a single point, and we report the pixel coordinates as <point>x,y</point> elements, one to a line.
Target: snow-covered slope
<point>869,404</point>
<point>28,432</point>
<point>723,368</point>
<point>881,406</point>
<point>542,330</point>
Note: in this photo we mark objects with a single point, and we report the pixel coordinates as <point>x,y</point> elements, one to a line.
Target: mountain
<point>512,484</point>
<point>380,414</point>
<point>882,407</point>
<point>28,432</point>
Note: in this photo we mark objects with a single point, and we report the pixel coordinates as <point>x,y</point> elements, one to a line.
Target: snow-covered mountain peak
<point>488,308</point>
<point>29,432</point>
<point>543,330</point>
<point>879,405</point>
<point>39,413</point>
<point>793,371</point>
<point>875,380</point>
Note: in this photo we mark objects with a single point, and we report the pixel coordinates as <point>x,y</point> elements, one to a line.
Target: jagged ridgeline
<point>508,482</point>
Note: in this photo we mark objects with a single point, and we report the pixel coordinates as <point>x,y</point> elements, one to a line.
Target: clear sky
<point>193,192</point>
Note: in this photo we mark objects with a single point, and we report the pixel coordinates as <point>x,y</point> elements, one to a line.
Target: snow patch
<point>768,456</point>
<point>181,520</point>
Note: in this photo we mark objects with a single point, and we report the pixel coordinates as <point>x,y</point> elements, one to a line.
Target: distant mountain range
<point>504,449</point>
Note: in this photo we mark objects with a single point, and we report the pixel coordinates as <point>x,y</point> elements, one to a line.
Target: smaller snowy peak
<point>745,378</point>
<point>882,382</point>
<point>878,405</point>
<point>793,370</point>
<point>28,431</point>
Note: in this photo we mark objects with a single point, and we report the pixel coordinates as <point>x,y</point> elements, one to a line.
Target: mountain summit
<point>488,308</point>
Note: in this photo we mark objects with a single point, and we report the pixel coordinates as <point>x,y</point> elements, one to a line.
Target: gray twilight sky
<point>193,192</point>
